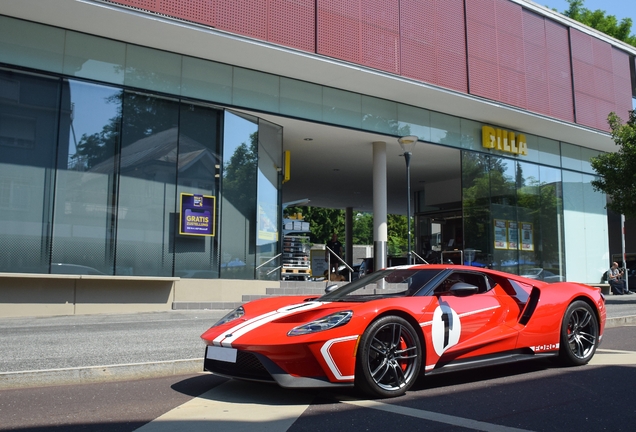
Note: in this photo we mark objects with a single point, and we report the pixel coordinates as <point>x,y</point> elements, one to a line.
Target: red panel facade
<point>292,23</point>
<point>559,71</point>
<point>360,31</point>
<point>536,60</point>
<point>622,83</point>
<point>451,45</point>
<point>380,37</point>
<point>483,62</point>
<point>200,11</point>
<point>496,59</point>
<point>547,59</point>
<point>434,42</point>
<point>246,17</point>
<point>339,29</point>
<point>601,80</point>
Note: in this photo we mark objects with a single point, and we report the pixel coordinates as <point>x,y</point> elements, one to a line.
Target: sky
<point>619,8</point>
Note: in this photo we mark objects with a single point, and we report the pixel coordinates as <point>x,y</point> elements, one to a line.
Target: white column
<point>380,235</point>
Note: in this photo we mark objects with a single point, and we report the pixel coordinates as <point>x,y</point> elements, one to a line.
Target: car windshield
<point>398,282</point>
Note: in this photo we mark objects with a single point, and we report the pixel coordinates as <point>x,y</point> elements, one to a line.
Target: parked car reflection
<point>542,274</point>
<point>65,268</point>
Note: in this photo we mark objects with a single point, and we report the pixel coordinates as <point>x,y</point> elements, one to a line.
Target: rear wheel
<point>389,358</point>
<point>579,334</point>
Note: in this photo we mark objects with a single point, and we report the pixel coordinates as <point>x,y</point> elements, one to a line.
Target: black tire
<point>389,358</point>
<point>579,334</point>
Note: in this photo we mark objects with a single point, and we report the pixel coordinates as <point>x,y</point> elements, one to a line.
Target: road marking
<point>433,416</point>
<point>234,406</point>
<point>238,406</point>
<point>607,357</point>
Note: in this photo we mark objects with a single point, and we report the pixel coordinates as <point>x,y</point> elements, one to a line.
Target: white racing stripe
<point>228,337</point>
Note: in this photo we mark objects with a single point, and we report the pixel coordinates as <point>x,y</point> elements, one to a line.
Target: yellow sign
<point>503,140</point>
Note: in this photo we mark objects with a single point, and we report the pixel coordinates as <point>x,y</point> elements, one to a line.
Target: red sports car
<point>382,331</point>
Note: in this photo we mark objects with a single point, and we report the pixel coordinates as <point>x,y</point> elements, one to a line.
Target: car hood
<point>287,312</point>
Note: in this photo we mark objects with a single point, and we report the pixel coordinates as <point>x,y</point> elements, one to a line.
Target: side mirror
<point>463,289</point>
<point>331,288</point>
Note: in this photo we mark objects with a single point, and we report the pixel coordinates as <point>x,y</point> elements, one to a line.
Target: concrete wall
<point>24,295</point>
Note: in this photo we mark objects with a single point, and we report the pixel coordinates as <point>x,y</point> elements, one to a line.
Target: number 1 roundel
<point>445,329</point>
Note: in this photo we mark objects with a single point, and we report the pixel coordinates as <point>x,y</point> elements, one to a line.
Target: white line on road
<point>234,406</point>
<point>607,357</point>
<point>433,416</point>
<point>237,406</point>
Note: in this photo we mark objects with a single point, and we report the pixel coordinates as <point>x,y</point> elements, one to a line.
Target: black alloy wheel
<point>579,334</point>
<point>389,358</point>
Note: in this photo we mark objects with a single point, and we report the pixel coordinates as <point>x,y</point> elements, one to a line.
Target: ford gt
<point>382,331</point>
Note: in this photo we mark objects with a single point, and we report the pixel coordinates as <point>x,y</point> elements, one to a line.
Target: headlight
<point>325,323</point>
<point>235,314</point>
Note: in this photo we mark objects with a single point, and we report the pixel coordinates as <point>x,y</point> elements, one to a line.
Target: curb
<point>98,374</point>
<point>620,321</point>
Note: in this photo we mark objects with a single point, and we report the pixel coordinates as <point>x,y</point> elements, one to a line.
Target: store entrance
<point>439,235</point>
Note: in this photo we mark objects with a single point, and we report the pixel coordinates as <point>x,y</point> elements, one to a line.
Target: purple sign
<point>197,215</point>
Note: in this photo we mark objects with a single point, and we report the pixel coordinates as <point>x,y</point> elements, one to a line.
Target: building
<point>143,143</point>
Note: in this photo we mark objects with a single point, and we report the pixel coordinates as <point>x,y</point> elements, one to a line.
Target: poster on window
<point>527,237</point>
<point>513,235</point>
<point>501,234</point>
<point>197,215</point>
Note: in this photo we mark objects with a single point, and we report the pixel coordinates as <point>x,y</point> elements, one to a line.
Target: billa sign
<point>197,215</point>
<point>503,140</point>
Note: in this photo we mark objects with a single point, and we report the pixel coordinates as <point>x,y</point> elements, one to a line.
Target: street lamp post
<point>408,143</point>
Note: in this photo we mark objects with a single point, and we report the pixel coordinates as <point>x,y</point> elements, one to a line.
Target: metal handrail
<point>272,271</point>
<point>419,257</point>
<point>339,259</point>
<point>269,260</point>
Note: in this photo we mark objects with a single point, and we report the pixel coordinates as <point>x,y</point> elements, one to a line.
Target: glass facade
<point>513,214</point>
<point>93,176</point>
<point>100,144</point>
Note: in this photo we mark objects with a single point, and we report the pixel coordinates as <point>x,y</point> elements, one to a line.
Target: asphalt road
<point>95,340</point>
<point>531,396</point>
<point>98,348</point>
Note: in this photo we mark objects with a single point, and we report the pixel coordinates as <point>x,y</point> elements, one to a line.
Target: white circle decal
<point>445,329</point>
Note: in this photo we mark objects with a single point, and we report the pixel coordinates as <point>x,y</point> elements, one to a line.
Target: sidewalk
<point>97,348</point>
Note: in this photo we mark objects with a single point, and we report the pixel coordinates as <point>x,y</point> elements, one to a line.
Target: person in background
<point>616,281</point>
<point>336,249</point>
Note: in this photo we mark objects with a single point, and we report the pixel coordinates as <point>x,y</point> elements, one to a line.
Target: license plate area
<point>221,354</point>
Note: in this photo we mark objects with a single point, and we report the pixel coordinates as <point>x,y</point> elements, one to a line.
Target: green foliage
<point>597,19</point>
<point>323,222</point>
<point>618,170</point>
<point>397,239</point>
<point>363,229</point>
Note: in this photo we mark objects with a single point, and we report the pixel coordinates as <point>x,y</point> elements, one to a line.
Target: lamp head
<point>407,143</point>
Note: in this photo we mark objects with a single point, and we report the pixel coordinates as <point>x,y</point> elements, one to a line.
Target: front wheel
<point>579,334</point>
<point>389,358</point>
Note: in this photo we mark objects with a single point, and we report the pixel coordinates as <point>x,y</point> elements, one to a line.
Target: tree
<point>323,222</point>
<point>597,19</point>
<point>617,170</point>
